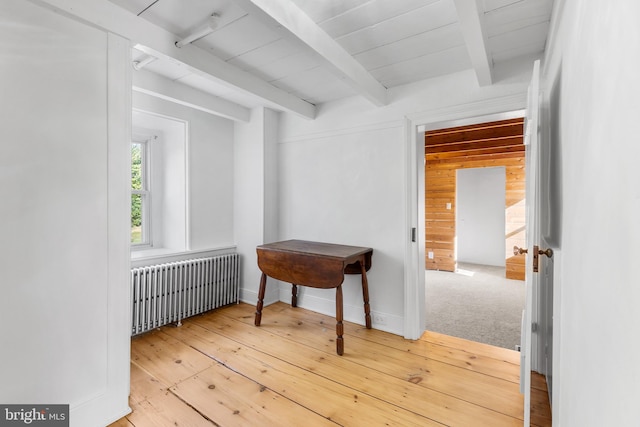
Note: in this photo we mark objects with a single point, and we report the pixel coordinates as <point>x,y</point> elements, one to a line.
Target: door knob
<point>519,251</point>
<point>548,252</point>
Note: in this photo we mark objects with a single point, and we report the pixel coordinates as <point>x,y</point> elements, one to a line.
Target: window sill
<point>151,253</point>
<point>143,257</point>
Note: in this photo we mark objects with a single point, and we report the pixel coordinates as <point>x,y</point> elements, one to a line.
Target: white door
<point>532,235</point>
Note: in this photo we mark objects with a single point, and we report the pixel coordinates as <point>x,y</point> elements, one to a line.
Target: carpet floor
<point>476,303</point>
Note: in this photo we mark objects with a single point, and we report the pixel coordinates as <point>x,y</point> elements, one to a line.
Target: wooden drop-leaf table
<point>317,265</point>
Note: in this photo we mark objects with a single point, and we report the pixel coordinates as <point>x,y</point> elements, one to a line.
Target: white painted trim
<point>474,120</point>
<point>160,43</point>
<point>112,404</point>
<point>119,173</point>
<point>476,111</point>
<point>414,319</point>
<point>187,185</point>
<point>157,256</point>
<point>163,88</point>
<point>285,17</point>
<point>473,112</point>
<point>556,385</point>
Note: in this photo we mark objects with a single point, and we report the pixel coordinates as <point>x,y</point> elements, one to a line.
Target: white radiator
<point>168,293</point>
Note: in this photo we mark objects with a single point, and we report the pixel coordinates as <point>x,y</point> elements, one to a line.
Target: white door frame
<point>415,125</point>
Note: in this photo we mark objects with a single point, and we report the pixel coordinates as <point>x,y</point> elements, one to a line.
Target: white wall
<point>210,154</point>
<point>347,189</point>
<point>173,175</point>
<point>342,180</point>
<point>480,215</point>
<point>64,166</point>
<point>597,54</point>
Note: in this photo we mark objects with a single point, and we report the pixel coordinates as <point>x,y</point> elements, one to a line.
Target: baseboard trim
<point>352,313</point>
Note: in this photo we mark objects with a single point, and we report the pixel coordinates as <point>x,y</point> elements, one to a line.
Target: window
<point>140,196</point>
<point>159,208</point>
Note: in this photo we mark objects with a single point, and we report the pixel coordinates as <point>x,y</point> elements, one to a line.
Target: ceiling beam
<point>163,88</point>
<point>474,145</point>
<point>160,43</point>
<point>471,17</point>
<point>487,159</point>
<point>290,21</point>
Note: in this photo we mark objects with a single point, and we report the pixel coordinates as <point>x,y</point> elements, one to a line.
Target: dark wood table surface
<point>317,265</point>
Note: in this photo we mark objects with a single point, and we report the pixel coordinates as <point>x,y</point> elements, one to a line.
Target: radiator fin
<point>168,293</point>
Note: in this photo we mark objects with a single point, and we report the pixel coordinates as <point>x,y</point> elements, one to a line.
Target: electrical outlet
<point>430,255</point>
<point>379,319</point>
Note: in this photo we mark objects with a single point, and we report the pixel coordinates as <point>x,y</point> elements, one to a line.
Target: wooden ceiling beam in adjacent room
<point>482,160</point>
<point>490,143</point>
<point>489,152</point>
<point>479,126</point>
<point>501,129</point>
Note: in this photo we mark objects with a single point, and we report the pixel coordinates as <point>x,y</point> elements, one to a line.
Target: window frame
<point>144,193</point>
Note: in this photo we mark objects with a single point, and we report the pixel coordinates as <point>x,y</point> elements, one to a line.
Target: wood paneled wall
<point>484,145</point>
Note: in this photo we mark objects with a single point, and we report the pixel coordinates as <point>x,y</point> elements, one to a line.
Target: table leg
<point>294,295</point>
<point>263,285</point>
<point>365,295</point>
<point>339,325</point>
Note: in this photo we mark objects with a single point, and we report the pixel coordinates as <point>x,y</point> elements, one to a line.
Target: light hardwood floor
<point>218,369</point>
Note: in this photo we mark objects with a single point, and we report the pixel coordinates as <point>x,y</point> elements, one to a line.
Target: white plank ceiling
<point>316,51</point>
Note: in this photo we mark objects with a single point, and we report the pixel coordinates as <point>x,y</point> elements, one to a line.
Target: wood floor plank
<point>539,382</point>
<point>540,409</point>
<point>480,389</point>
<point>167,359</point>
<point>218,369</point>
<point>153,405</point>
<point>231,399</point>
<point>497,362</point>
<point>144,386</point>
<point>122,422</point>
<point>166,410</point>
<point>499,353</point>
<point>321,395</point>
<point>540,406</point>
<point>404,392</point>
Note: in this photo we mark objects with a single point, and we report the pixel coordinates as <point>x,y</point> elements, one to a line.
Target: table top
<point>330,250</point>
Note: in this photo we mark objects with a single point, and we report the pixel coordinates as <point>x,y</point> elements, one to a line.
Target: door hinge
<point>534,327</point>
<point>414,234</point>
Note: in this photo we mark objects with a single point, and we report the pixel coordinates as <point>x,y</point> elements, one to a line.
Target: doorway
<point>481,299</point>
